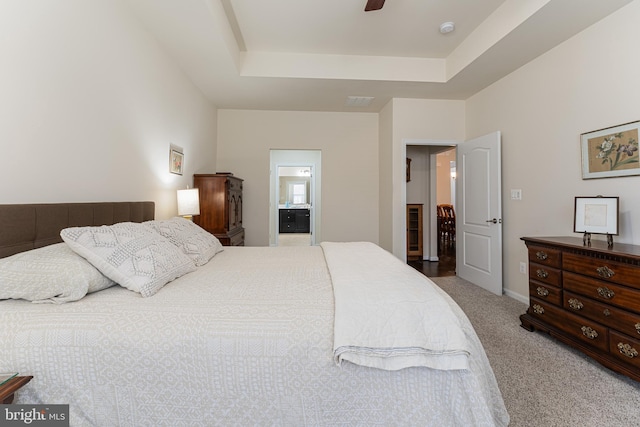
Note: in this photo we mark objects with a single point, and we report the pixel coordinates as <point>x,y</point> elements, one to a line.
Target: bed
<point>250,336</point>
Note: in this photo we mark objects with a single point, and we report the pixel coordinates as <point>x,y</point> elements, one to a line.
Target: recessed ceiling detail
<point>298,55</point>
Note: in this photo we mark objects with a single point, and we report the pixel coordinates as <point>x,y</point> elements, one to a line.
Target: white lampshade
<point>188,202</point>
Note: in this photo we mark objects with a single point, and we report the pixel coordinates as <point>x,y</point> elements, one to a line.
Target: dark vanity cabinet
<point>295,221</point>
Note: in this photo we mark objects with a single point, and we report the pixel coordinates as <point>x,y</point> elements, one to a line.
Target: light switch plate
<point>516,194</point>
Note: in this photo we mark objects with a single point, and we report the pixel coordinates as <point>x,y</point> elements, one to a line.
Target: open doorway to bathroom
<point>295,198</point>
<point>294,207</point>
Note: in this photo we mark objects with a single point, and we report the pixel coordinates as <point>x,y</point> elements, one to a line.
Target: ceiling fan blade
<point>373,5</point>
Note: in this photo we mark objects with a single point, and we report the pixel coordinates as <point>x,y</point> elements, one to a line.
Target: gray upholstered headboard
<point>25,227</point>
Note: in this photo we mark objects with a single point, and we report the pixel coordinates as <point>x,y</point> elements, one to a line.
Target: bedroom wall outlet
<point>523,267</point>
<point>516,194</point>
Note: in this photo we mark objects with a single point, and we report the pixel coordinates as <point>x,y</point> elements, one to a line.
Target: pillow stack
<point>142,257</point>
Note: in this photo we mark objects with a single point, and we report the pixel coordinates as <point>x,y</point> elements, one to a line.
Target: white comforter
<point>245,340</point>
<point>387,315</point>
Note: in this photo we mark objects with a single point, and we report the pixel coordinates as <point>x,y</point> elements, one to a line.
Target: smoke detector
<point>447,27</point>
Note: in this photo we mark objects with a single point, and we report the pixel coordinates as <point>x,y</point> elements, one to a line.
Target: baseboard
<point>516,296</point>
<point>432,258</point>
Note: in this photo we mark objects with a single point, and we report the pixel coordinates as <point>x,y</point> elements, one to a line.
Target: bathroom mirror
<point>294,185</point>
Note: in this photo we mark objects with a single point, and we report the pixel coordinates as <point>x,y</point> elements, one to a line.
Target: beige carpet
<point>543,382</point>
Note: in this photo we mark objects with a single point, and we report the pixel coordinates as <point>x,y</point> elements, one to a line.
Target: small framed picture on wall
<point>176,159</point>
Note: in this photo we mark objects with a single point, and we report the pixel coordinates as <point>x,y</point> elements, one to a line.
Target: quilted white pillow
<point>52,274</point>
<point>131,254</point>
<point>193,241</point>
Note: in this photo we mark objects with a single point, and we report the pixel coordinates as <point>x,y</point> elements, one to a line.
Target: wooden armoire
<point>220,207</point>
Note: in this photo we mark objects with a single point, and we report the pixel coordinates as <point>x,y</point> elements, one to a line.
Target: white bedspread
<point>246,339</point>
<point>389,316</point>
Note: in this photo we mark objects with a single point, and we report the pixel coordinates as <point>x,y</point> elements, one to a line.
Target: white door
<point>479,213</point>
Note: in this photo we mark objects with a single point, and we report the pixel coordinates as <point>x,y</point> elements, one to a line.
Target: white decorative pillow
<point>193,241</point>
<point>52,274</point>
<point>131,254</point>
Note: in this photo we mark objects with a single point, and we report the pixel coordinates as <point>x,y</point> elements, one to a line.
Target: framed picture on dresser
<point>598,215</point>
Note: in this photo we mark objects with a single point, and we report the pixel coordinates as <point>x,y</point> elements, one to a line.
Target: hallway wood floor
<point>445,266</point>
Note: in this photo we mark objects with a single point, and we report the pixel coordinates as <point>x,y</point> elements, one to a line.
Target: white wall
<point>89,105</point>
<point>443,172</point>
<point>385,168</point>
<point>349,145</point>
<point>589,82</point>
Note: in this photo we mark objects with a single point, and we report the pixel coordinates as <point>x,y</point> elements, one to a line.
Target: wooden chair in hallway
<point>447,223</point>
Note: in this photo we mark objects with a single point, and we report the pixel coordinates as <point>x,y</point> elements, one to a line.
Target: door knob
<point>495,221</point>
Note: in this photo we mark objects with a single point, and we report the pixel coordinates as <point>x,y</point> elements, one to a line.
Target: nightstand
<point>8,389</point>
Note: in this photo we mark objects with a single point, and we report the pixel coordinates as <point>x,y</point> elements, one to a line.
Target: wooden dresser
<point>587,297</point>
<point>220,207</point>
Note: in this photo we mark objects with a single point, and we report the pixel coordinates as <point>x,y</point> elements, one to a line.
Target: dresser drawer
<point>545,256</point>
<point>625,348</point>
<point>610,293</point>
<point>545,274</point>
<point>577,327</point>
<point>621,320</point>
<point>545,292</point>
<point>611,271</point>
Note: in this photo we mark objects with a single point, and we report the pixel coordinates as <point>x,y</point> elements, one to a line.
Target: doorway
<point>294,214</point>
<point>433,184</point>
<point>294,205</point>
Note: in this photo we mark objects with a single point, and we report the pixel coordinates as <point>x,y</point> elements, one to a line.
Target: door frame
<point>311,159</point>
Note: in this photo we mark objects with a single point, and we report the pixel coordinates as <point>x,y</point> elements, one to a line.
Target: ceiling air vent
<point>358,101</point>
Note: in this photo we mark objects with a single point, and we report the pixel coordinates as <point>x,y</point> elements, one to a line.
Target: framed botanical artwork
<point>611,152</point>
<point>598,215</point>
<point>176,160</point>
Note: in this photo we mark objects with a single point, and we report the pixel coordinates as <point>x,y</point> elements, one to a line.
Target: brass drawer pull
<point>575,304</point>
<point>589,332</point>
<point>541,255</point>
<point>606,293</point>
<point>637,325</point>
<point>542,291</point>
<point>605,272</point>
<point>627,350</point>
<point>607,313</point>
<point>542,273</point>
<point>538,309</point>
